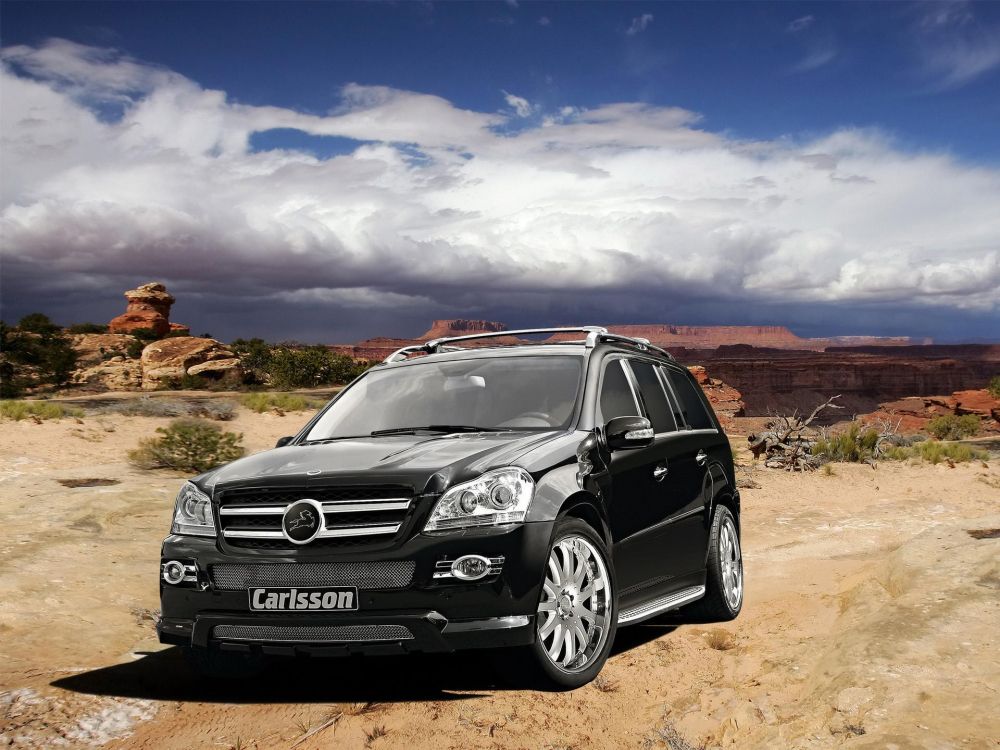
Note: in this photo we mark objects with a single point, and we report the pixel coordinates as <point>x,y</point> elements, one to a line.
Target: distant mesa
<point>676,338</point>
<point>461,327</point>
<point>148,308</point>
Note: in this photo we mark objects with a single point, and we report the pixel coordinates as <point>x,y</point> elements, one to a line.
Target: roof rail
<point>594,335</point>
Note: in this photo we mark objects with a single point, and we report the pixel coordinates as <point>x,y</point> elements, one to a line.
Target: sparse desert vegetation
<point>269,401</point>
<point>37,410</point>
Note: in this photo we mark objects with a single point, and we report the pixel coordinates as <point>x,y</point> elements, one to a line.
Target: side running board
<point>661,604</point>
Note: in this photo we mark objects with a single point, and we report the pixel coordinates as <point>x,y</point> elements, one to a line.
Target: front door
<point>671,539</point>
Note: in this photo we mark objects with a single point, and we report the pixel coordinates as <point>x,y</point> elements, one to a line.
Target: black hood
<point>427,463</point>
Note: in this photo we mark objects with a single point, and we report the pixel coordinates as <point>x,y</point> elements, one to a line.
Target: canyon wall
<point>783,381</point>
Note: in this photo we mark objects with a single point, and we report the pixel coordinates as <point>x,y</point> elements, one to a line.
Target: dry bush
<point>262,402</point>
<point>954,427</point>
<point>787,441</point>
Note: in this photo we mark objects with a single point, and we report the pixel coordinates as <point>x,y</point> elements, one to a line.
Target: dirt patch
<point>88,482</point>
<point>984,533</point>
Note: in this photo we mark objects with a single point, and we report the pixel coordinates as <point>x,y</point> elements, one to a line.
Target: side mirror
<point>283,441</point>
<point>628,432</point>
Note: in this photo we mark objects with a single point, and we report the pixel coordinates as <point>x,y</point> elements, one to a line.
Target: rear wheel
<point>577,610</point>
<point>723,598</point>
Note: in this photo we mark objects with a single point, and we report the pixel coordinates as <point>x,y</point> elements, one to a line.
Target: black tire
<point>533,661</point>
<point>223,665</point>
<point>714,606</point>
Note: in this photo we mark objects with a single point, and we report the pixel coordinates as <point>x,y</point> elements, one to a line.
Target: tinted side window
<point>652,393</point>
<point>690,401</point>
<point>616,395</point>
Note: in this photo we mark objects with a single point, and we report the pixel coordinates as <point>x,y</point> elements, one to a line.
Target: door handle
<point>701,457</point>
<point>660,472</point>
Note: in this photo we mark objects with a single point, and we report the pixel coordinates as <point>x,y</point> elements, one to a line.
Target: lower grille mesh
<point>312,633</point>
<point>387,574</point>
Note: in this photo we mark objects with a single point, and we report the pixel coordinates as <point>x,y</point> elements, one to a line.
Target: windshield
<point>502,393</point>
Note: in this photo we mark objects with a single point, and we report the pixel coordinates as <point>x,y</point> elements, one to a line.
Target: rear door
<point>698,442</point>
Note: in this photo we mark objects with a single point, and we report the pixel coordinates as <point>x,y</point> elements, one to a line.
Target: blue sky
<point>390,98</point>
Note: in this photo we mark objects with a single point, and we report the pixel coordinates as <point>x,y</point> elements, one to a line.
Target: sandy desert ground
<point>870,622</point>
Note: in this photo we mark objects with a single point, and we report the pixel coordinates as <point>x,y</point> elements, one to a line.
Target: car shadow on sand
<point>166,676</point>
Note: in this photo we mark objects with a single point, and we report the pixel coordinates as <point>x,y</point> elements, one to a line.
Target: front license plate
<point>326,599</point>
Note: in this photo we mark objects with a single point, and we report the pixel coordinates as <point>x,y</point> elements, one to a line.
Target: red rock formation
<point>726,400</point>
<point>914,412</point>
<point>148,308</point>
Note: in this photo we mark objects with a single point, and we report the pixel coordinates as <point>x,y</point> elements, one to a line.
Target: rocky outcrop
<point>165,363</point>
<point>148,308</point>
<point>102,362</point>
<point>914,412</point>
<point>115,374</point>
<point>726,400</point>
<point>94,348</point>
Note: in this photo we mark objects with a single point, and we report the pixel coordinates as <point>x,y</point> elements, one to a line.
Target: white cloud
<point>443,203</point>
<point>521,106</point>
<point>639,24</point>
<point>954,47</point>
<point>801,24</point>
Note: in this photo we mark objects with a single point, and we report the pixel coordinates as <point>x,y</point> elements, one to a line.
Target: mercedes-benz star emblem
<point>302,522</point>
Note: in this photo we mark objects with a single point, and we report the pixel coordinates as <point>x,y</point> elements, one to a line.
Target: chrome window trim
<point>620,358</point>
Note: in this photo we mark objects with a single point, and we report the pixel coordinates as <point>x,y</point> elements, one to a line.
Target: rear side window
<point>692,407</point>
<point>660,413</point>
<point>616,394</point>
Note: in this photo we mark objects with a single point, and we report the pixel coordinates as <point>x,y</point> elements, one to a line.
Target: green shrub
<point>18,410</point>
<point>994,386</point>
<point>953,427</point>
<point>87,328</point>
<point>262,402</point>
<point>935,452</point>
<point>857,445</point>
<point>134,348</point>
<point>33,353</point>
<point>188,445</point>
<point>288,366</point>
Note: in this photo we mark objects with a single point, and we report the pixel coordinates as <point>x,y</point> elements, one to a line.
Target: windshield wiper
<point>438,428</point>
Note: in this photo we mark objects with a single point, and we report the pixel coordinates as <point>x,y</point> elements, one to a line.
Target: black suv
<point>528,495</point>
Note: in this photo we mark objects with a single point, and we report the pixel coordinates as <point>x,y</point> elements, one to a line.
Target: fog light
<point>470,567</point>
<point>173,572</point>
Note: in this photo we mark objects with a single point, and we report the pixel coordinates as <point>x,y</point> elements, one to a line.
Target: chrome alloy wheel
<point>731,563</point>
<point>575,604</point>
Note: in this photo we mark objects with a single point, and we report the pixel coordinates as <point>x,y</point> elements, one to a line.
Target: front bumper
<point>428,614</point>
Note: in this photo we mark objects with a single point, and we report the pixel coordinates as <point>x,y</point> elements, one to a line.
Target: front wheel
<point>577,610</point>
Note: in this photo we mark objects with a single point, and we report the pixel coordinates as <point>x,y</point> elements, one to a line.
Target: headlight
<point>500,496</point>
<point>192,513</point>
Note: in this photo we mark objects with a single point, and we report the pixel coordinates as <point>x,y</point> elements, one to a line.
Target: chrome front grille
<point>251,518</point>
<point>312,633</point>
<point>387,574</point>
